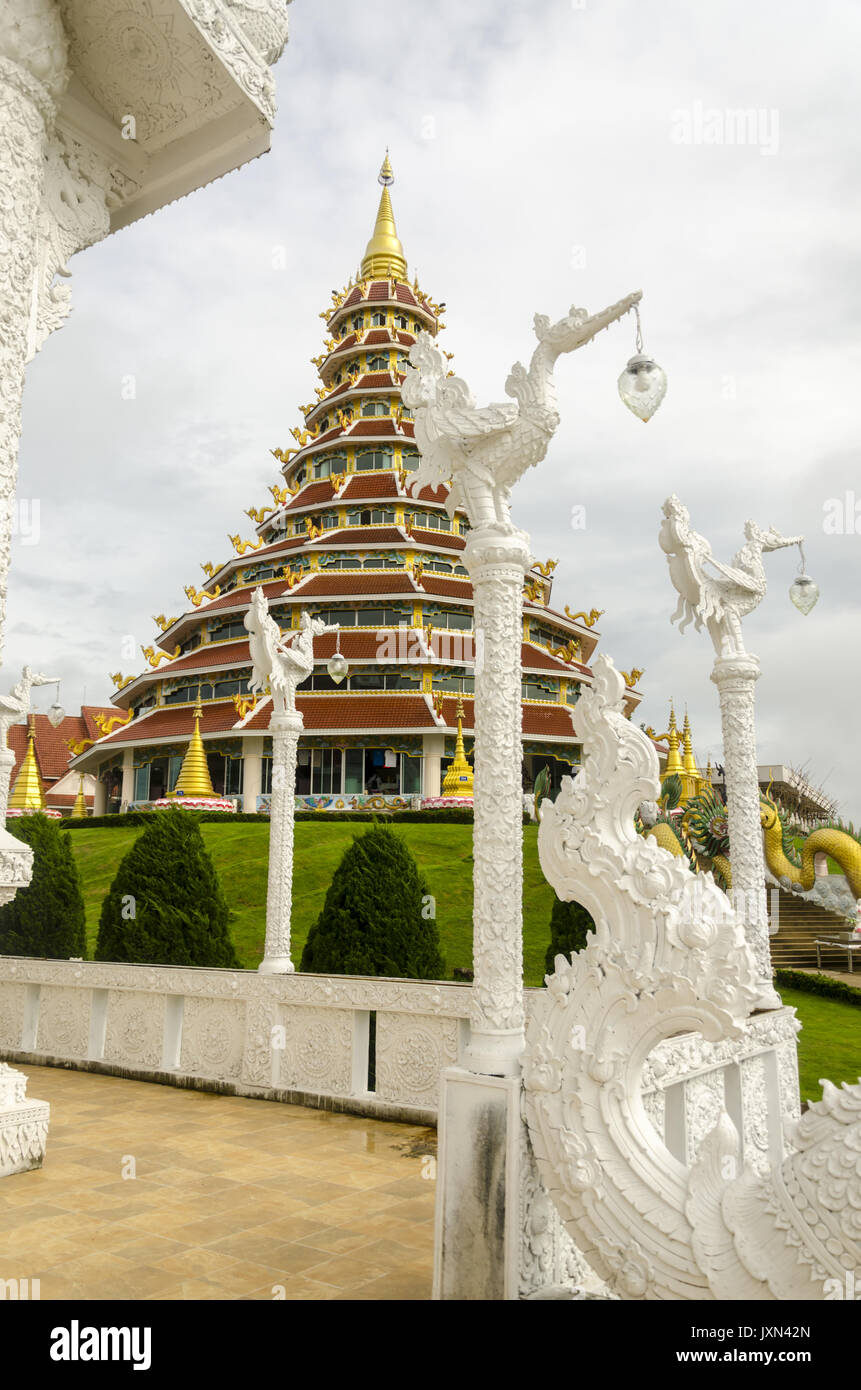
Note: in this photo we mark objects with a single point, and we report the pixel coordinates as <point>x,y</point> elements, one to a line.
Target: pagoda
<point>344,537</point>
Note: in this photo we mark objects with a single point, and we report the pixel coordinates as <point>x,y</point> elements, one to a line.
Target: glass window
<point>411,774</point>
<point>409,460</point>
<point>375,408</point>
<point>378,364</point>
<point>378,319</point>
<point>141,792</point>
<point>373,458</point>
<point>402,321</point>
<point>354,770</point>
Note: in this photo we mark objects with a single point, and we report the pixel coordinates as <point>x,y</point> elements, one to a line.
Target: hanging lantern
<point>643,384</point>
<point>337,665</point>
<point>56,714</point>
<point>804,592</point>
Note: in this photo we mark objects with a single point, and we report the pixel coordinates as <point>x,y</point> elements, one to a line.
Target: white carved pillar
<point>497,558</point>
<point>735,678</point>
<point>433,749</point>
<point>252,772</point>
<point>127,794</point>
<point>285,730</point>
<point>33,75</point>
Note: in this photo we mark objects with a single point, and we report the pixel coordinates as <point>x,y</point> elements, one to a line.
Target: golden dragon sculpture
<point>120,681</point>
<point>588,619</point>
<point>156,658</point>
<point>107,722</point>
<point>841,847</point>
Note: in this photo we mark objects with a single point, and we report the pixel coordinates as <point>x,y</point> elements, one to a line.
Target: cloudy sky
<point>545,154</point>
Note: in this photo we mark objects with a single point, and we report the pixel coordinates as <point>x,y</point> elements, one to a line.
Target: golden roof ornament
<point>674,763</point>
<point>28,794</point>
<point>384,255</point>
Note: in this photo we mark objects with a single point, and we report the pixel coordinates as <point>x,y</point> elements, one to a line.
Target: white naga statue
<point>720,601</point>
<point>279,662</point>
<point>483,451</point>
<point>699,1196</point>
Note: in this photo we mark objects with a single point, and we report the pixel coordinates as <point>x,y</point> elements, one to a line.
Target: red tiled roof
<point>384,711</point>
<point>354,297</point>
<point>438,538</point>
<point>52,753</point>
<point>175,724</point>
<point>357,585</point>
<point>371,379</point>
<point>57,800</point>
<point>379,289</point>
<point>358,535</point>
<point>241,595</point>
<point>539,657</point>
<point>430,494</point>
<point>547,721</point>
<point>377,335</point>
<point>363,486</point>
<point>456,587</point>
<point>312,494</point>
<point>405,294</point>
<point>378,424</point>
<point>211,654</point>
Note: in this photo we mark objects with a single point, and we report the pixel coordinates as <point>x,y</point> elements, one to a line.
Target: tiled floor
<point>230,1198</point>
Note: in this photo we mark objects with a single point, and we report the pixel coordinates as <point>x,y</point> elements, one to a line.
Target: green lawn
<point>829,1044</point>
<point>239,852</point>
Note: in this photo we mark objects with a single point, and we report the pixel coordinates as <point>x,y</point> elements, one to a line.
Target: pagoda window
<point>370,459</point>
<point>383,617</point>
<point>383,562</point>
<point>402,360</point>
<point>441,566</point>
<point>398,680</point>
<point>409,460</point>
<point>371,516</point>
<point>141,789</point>
<point>375,408</point>
<point>378,319</point>
<point>344,617</point>
<point>402,321</point>
<point>405,412</point>
<point>221,629</point>
<point>432,521</point>
<point>533,688</point>
<point>460,569</point>
<point>323,424</point>
<point>454,679</point>
<point>572,694</point>
<point>351,367</point>
<point>301,475</point>
<point>411,775</point>
<point>448,618</point>
<point>354,770</point>
<point>374,680</point>
<point>358,321</point>
<point>378,364</point>
<point>332,463</point>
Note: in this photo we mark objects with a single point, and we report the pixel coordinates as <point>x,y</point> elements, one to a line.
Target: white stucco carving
<point>23,1124</point>
<point>483,452</point>
<point>720,601</point>
<point>717,1208</point>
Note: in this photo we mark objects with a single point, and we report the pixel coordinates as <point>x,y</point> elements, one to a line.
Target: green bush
<point>47,918</point>
<point>570,925</point>
<point>378,917</point>
<point>461,814</point>
<point>166,905</point>
<point>819,984</point>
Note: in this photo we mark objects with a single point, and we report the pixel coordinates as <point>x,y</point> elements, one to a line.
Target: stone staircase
<point>801,922</point>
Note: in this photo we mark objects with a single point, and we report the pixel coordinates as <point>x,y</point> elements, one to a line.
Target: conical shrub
<point>570,925</point>
<point>166,905</point>
<point>379,916</point>
<point>47,918</point>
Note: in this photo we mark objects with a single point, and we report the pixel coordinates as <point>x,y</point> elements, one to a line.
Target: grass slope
<point>829,1044</point>
<point>240,854</point>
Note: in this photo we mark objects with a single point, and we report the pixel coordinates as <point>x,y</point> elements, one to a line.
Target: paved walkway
<point>230,1198</point>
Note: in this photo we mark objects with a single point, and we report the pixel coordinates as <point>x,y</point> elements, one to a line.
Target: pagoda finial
<point>384,255</point>
<point>194,779</point>
<point>28,793</point>
<point>459,777</point>
<point>674,762</point>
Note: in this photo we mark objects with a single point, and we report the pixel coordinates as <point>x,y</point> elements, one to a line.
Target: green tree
<point>166,905</point>
<point>47,918</point>
<point>570,925</point>
<point>379,917</point>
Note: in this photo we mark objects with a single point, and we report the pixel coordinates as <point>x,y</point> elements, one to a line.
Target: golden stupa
<point>384,254</point>
<point>28,794</point>
<point>194,778</point>
<point>79,810</point>
<point>675,766</point>
<point>459,777</point>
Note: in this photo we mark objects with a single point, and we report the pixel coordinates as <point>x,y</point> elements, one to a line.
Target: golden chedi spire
<point>194,779</point>
<point>79,810</point>
<point>28,794</point>
<point>674,765</point>
<point>384,255</point>
<point>459,777</point>
<point>692,778</point>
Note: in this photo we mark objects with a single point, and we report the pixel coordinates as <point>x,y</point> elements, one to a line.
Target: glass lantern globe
<point>56,715</point>
<point>642,386</point>
<point>337,667</point>
<point>804,593</point>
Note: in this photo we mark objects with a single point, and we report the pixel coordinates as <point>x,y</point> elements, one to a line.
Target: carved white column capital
<point>34,52</point>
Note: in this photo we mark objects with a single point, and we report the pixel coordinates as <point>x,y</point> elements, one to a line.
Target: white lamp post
<point>282,662</point>
<point>721,599</point>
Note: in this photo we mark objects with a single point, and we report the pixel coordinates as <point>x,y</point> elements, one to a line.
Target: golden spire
<point>79,810</point>
<point>194,779</point>
<point>384,255</point>
<point>674,762</point>
<point>458,778</point>
<point>28,793</point>
<point>693,778</point>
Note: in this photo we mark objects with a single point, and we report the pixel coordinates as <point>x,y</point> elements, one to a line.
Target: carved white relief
<point>213,1035</point>
<point>318,1051</point>
<point>23,1124</point>
<point>668,957</point>
<point>134,1031</point>
<point>411,1052</point>
<point>12,999</point>
<point>64,1021</point>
